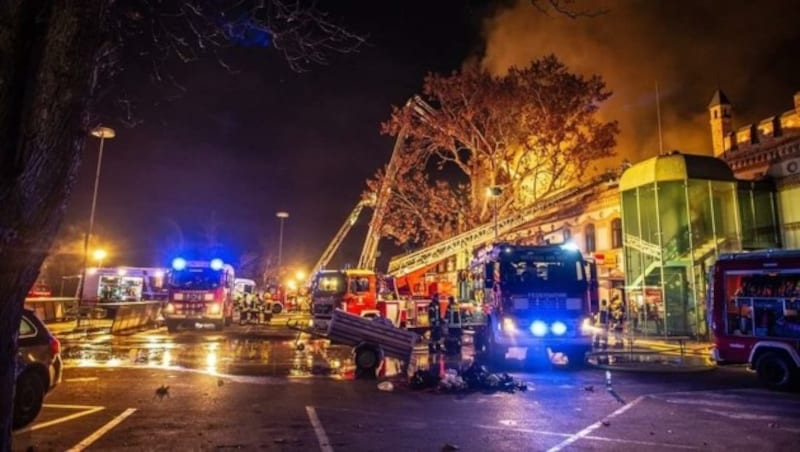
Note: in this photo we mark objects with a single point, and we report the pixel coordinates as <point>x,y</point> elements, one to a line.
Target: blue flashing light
<point>216,264</point>
<point>558,328</point>
<point>178,263</point>
<point>538,328</point>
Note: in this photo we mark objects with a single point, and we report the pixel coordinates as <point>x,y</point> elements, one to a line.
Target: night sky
<point>237,148</point>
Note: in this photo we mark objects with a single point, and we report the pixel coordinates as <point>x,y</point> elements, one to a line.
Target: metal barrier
<point>133,315</point>
<point>51,309</point>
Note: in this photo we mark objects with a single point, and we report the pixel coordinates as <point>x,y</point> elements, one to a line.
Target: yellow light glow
<point>211,362</point>
<point>91,271</point>
<point>166,359</point>
<point>99,254</point>
<point>300,275</point>
<point>122,271</point>
<point>291,284</point>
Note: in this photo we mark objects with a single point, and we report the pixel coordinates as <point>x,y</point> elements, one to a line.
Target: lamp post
<point>102,133</point>
<point>494,192</point>
<point>281,216</point>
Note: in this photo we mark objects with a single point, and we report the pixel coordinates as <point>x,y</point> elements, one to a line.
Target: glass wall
<point>673,232</point>
<point>758,216</point>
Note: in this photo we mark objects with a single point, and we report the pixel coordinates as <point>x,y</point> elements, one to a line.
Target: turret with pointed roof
<point>721,119</point>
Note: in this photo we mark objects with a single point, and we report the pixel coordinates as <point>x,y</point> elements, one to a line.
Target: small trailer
<point>372,339</point>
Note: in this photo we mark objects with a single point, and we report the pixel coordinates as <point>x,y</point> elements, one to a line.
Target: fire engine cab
<point>753,304</point>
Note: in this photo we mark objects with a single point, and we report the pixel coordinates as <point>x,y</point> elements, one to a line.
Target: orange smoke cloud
<point>690,48</point>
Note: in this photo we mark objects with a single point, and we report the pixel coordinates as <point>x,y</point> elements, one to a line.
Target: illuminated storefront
<point>679,212</point>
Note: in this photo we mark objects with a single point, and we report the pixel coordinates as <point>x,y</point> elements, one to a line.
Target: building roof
<point>675,166</point>
<point>719,98</point>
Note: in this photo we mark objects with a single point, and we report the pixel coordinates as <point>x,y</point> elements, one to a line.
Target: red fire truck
<point>753,306</point>
<point>351,290</point>
<point>199,292</point>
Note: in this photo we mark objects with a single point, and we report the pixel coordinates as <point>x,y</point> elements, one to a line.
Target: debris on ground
<point>449,447</point>
<point>589,388</point>
<point>161,392</point>
<point>606,423</point>
<point>386,386</point>
<point>474,377</point>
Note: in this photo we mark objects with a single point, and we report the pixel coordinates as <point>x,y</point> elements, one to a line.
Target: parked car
<point>38,368</point>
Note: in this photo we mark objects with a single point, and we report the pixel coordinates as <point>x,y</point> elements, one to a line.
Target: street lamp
<point>281,216</point>
<point>494,192</point>
<point>102,133</point>
<point>99,255</point>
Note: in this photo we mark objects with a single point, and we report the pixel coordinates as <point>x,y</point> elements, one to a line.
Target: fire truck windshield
<point>330,284</point>
<point>195,279</point>
<point>541,275</point>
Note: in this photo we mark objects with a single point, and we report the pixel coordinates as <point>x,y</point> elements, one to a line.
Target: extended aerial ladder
<point>337,240</point>
<point>469,240</point>
<point>369,252</point>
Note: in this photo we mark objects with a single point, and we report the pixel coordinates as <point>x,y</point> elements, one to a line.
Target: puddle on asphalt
<point>217,354</point>
<point>651,361</point>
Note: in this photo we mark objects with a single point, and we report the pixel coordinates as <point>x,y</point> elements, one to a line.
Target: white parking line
<point>86,410</point>
<point>324,444</point>
<point>585,432</point>
<point>101,431</point>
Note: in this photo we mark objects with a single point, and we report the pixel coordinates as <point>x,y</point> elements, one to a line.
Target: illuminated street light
<point>300,275</point>
<point>494,192</point>
<point>103,133</point>
<point>281,216</point>
<point>99,255</point>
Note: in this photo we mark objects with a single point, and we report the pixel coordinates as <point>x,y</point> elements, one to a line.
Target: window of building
<point>616,233</point>
<point>567,234</point>
<point>591,243</point>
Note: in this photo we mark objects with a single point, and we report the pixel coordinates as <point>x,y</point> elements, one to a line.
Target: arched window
<point>616,233</point>
<point>591,243</point>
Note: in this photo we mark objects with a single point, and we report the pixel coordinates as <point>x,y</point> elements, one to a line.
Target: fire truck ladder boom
<point>333,246</point>
<point>369,253</point>
<point>485,233</point>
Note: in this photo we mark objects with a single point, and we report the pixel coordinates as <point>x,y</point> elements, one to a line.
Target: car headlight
<point>208,297</point>
<point>509,326</point>
<point>558,328</point>
<point>213,308</point>
<point>538,328</point>
<point>177,296</point>
<point>169,308</point>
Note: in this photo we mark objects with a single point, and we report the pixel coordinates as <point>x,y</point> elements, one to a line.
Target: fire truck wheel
<point>277,308</point>
<point>774,370</point>
<point>172,325</point>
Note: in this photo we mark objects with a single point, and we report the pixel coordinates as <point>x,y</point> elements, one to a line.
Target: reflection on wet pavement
<point>217,354</point>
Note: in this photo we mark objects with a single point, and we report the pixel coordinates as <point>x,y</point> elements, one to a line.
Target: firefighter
<point>601,332</point>
<point>454,327</point>
<point>435,320</point>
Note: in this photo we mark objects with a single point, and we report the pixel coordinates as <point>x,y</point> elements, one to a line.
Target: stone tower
<point>721,118</point>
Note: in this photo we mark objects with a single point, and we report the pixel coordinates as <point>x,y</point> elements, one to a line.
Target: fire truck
<point>754,313</point>
<point>199,292</point>
<point>353,291</point>
<point>539,298</point>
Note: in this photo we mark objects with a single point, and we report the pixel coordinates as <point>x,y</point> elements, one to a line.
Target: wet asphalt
<point>257,387</point>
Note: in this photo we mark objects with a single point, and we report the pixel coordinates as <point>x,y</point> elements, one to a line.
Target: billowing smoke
<point>689,47</point>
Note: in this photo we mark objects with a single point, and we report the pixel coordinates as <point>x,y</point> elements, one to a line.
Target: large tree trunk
<point>47,75</point>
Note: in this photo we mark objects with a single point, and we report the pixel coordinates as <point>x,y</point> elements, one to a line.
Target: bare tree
<point>57,59</point>
<point>529,132</point>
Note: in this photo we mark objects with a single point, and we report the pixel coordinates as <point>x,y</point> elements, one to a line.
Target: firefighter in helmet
<point>435,320</point>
